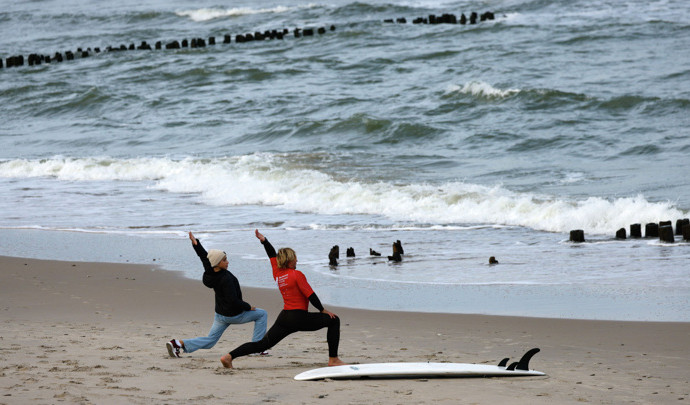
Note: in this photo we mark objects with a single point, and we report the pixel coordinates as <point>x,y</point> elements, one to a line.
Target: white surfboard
<point>408,370</point>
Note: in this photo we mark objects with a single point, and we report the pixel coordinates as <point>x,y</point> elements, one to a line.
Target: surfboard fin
<point>523,364</point>
<point>503,362</point>
<point>512,366</point>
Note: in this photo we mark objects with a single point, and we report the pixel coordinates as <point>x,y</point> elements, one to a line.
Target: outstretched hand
<point>193,239</point>
<point>259,235</point>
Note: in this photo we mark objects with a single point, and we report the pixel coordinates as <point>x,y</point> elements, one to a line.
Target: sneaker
<point>173,348</point>
<point>264,353</point>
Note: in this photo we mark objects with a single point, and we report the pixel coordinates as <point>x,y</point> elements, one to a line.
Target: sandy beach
<point>95,333</point>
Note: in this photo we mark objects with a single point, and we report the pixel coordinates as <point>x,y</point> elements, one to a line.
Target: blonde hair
<point>285,256</point>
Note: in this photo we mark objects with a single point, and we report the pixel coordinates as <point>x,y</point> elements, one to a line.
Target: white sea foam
<point>267,179</point>
<point>479,88</point>
<point>206,14</point>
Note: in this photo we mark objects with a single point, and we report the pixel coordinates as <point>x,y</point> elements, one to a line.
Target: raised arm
<point>270,250</point>
<point>201,252</point>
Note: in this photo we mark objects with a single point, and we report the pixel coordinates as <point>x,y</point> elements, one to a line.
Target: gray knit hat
<point>215,256</point>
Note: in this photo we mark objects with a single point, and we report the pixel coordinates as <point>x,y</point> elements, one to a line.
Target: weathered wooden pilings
<point>662,230</point>
<point>334,253</point>
<point>38,59</point>
<point>445,18</point>
<point>14,61</point>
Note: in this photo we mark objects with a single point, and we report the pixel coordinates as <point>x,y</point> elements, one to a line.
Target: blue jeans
<point>220,323</point>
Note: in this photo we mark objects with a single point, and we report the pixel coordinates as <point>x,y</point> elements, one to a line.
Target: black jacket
<point>227,288</point>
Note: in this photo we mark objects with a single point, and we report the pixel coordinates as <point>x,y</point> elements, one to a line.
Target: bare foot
<point>334,361</point>
<point>226,360</point>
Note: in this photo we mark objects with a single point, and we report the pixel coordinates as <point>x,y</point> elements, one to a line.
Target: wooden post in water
<point>666,234</point>
<point>686,233</point>
<point>577,235</point>
<point>680,223</point>
<point>651,230</point>
<point>635,231</point>
<point>333,255</point>
<point>396,253</point>
<point>620,234</point>
<point>399,247</point>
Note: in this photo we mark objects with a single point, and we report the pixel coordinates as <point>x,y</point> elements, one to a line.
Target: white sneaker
<point>264,353</point>
<point>173,348</point>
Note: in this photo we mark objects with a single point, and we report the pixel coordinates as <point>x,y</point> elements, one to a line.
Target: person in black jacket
<point>230,309</point>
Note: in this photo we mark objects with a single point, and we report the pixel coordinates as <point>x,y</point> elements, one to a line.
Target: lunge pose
<point>297,294</point>
<point>230,309</point>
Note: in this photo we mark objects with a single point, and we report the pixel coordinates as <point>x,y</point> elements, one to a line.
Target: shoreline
<point>641,302</point>
<point>67,337</point>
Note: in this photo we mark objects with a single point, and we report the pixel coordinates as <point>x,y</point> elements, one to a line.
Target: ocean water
<point>461,141</point>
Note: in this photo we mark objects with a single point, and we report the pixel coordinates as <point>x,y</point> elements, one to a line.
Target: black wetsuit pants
<point>291,321</point>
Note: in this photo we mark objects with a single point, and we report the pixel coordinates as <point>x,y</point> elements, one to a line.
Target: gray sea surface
<point>463,141</point>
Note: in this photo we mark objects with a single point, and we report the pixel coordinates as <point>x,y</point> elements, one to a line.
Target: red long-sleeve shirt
<point>293,286</point>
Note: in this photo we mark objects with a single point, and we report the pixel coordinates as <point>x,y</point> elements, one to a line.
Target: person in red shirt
<point>297,294</point>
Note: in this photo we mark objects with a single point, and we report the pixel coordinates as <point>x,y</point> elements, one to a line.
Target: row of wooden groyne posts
<point>662,230</point>
<point>38,59</point>
<point>35,59</point>
<point>334,254</point>
<point>446,19</point>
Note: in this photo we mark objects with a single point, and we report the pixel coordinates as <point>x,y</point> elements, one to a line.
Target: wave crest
<point>207,14</point>
<point>482,90</point>
<point>281,180</point>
